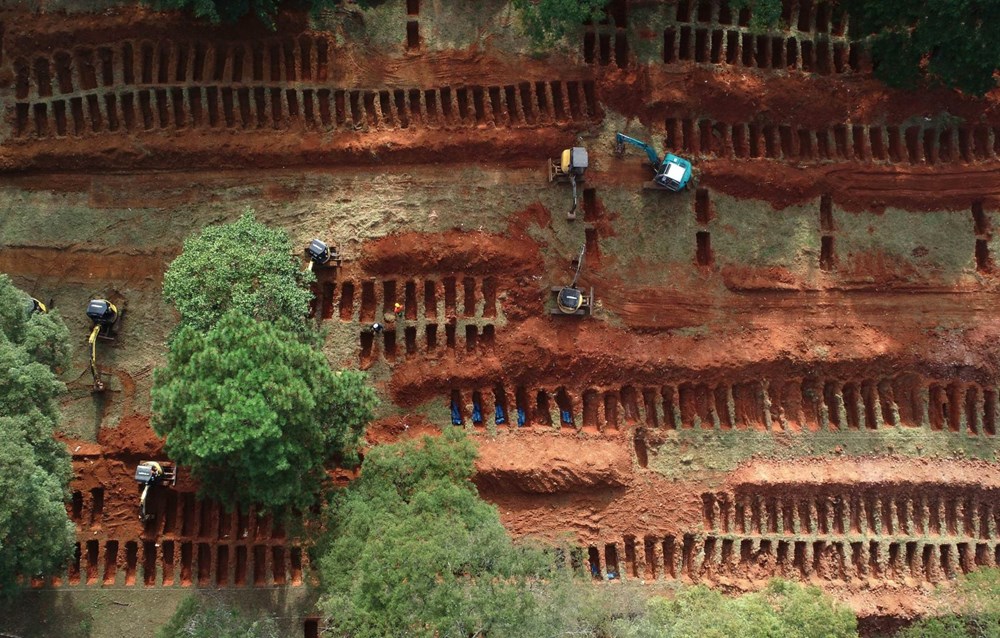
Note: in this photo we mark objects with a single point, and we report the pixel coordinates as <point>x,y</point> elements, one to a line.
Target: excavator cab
<point>148,474</point>
<point>674,173</point>
<point>102,312</point>
<point>320,254</point>
<point>34,306</point>
<point>104,315</point>
<point>572,165</point>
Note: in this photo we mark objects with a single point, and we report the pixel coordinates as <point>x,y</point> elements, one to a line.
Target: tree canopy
<point>217,11</point>
<point>413,551</point>
<point>948,42</point>
<point>36,535</point>
<point>255,412</point>
<point>952,42</point>
<point>243,266</point>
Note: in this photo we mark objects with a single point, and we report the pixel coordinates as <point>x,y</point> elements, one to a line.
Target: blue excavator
<point>672,173</point>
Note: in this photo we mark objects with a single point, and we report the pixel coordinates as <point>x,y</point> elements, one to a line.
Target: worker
<point>397,309</point>
<point>377,327</point>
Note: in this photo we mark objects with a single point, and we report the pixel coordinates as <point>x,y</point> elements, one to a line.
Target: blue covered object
<point>520,418</point>
<point>566,417</point>
<point>501,416</point>
<point>477,412</point>
<point>456,414</point>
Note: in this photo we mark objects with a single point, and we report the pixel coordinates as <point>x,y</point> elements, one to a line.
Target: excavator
<point>104,314</point>
<point>672,173</point>
<point>35,306</point>
<point>149,474</point>
<point>570,300</point>
<point>570,168</point>
<point>320,254</point>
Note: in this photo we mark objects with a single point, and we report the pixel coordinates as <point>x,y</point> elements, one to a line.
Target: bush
<point>547,21</point>
<point>198,618</point>
<point>764,14</point>
<point>217,11</point>
<point>976,616</point>
<point>782,610</point>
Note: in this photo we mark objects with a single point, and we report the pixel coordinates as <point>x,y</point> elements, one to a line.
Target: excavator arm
<point>572,211</point>
<point>142,503</point>
<point>579,265</point>
<point>621,140</point>
<point>98,383</point>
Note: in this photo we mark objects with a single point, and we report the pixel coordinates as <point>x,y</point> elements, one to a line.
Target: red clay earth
<point>767,354</point>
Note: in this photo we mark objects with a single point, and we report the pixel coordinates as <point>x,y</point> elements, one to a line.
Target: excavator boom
<point>579,265</point>
<point>98,383</point>
<point>621,140</point>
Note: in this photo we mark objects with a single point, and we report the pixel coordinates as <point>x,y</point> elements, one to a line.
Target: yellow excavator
<point>149,474</point>
<point>570,167</point>
<point>104,314</point>
<point>320,254</point>
<point>570,300</point>
<point>36,306</point>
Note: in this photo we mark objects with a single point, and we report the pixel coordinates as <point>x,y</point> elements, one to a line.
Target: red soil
<point>80,265</point>
<point>859,188</point>
<point>472,253</point>
<point>851,472</point>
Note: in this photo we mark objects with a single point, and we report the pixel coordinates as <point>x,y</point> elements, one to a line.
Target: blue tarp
<point>477,413</point>
<point>566,417</point>
<point>520,418</point>
<point>456,414</point>
<point>501,416</point>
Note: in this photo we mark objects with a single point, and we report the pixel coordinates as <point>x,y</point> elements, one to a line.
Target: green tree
<point>243,266</point>
<point>198,618</point>
<point>952,42</point>
<point>43,337</point>
<point>411,550</point>
<point>782,610</point>
<point>255,412</point>
<point>36,535</point>
<point>547,21</point>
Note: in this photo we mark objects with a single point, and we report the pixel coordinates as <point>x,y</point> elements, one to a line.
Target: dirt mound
<point>133,436</point>
<point>472,253</point>
<point>857,187</point>
<point>551,464</point>
<point>898,471</point>
<point>395,428</point>
<point>82,265</point>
